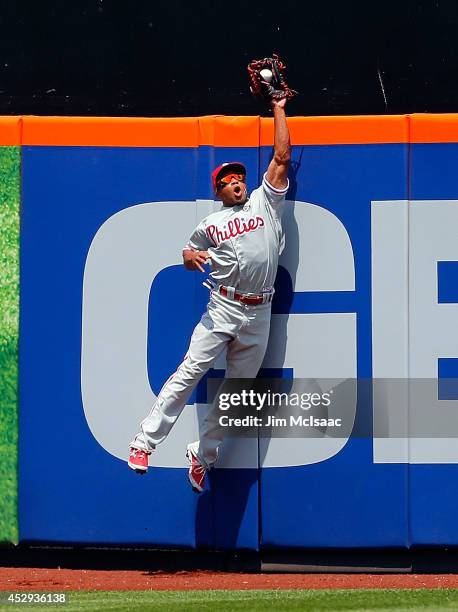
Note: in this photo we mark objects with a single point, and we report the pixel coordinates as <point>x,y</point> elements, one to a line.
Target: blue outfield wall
<point>107,311</point>
<point>432,485</point>
<point>346,500</point>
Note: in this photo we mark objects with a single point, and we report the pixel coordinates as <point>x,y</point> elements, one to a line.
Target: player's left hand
<point>267,79</point>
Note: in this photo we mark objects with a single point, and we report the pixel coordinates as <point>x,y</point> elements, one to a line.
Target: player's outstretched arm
<point>195,260</point>
<point>277,172</point>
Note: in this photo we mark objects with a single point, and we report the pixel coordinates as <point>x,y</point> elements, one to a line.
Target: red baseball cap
<point>227,166</point>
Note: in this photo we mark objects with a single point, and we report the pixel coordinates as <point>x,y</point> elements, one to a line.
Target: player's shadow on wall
<point>286,278</point>
<point>292,175</point>
<point>228,513</point>
<point>285,281</point>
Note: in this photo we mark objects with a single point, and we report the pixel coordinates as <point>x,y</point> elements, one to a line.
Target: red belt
<point>249,300</point>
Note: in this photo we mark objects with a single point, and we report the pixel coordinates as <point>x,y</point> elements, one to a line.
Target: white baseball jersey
<point>244,241</point>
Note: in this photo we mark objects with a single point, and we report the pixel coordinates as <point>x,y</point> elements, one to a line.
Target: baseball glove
<point>267,81</point>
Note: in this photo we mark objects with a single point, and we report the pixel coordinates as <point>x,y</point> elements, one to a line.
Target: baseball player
<point>243,242</point>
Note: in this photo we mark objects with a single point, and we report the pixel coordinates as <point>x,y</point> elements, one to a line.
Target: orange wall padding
<point>222,131</point>
<point>10,131</point>
<point>110,131</point>
<point>433,128</point>
<point>341,130</point>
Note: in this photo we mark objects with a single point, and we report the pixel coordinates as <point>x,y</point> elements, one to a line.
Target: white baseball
<point>266,74</point>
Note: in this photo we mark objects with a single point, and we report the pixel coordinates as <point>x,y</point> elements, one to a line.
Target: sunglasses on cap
<point>232,176</point>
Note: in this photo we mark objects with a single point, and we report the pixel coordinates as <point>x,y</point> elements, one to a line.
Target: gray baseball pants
<point>244,330</point>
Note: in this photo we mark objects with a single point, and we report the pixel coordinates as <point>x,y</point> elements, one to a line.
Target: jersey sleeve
<point>275,197</point>
<point>198,240</point>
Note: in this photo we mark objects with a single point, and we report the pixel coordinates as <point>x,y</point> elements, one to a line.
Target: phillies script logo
<point>235,227</point>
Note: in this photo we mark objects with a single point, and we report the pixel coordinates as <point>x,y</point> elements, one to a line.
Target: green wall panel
<point>9,323</point>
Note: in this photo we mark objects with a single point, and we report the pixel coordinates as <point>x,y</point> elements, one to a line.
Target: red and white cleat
<point>196,472</point>
<point>138,460</point>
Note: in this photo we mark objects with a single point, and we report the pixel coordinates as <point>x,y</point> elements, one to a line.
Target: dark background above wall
<point>179,58</point>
